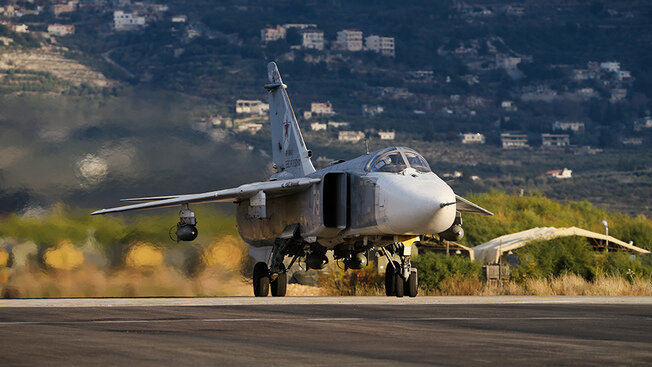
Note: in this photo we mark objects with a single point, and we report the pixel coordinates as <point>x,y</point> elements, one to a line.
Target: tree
<point>293,37</point>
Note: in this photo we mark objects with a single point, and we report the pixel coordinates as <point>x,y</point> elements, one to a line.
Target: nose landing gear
<point>400,277</point>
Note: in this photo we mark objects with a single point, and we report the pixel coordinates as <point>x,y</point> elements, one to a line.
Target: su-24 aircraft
<point>381,201</point>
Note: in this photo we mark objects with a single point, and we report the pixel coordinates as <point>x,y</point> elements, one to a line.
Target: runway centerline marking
<point>331,319</point>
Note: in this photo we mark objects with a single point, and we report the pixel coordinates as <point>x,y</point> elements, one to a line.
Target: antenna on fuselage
<point>366,144</point>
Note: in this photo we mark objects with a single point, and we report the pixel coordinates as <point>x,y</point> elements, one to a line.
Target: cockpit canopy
<point>396,160</point>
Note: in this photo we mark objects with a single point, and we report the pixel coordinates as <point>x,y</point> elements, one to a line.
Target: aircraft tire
<point>412,285</point>
<point>280,284</point>
<point>261,280</point>
<point>390,289</point>
<point>398,284</point>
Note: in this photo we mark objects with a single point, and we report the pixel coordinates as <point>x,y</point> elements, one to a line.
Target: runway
<point>358,331</point>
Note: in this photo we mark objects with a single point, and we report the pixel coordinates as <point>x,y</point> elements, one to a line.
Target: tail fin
<point>289,151</point>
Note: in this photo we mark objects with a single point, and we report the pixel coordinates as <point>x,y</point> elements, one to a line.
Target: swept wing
<point>270,188</point>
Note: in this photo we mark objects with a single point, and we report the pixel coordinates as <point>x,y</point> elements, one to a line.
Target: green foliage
<point>540,259</point>
<point>434,269</point>
<point>25,40</point>
<point>625,265</point>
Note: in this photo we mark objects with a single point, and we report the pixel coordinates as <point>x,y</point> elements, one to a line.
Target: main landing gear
<point>401,278</point>
<point>275,277</point>
<point>264,281</point>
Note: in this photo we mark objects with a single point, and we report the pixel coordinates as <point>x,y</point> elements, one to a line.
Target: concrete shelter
<point>490,252</point>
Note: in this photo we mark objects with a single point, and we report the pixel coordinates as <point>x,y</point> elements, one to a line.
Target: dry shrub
<point>569,284</point>
<point>89,281</point>
<point>365,282</point>
<point>300,290</point>
<point>229,252</point>
<point>460,286</point>
<point>4,258</point>
<point>144,271</point>
<point>64,256</point>
<point>143,255</point>
<point>508,288</point>
<point>574,285</point>
<point>537,286</point>
<point>611,285</point>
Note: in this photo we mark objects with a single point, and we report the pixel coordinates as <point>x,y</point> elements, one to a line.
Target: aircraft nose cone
<point>414,206</point>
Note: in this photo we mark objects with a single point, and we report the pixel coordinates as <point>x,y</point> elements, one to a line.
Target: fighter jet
<point>378,203</point>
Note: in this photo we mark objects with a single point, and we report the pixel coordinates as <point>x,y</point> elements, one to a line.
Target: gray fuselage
<point>356,199</point>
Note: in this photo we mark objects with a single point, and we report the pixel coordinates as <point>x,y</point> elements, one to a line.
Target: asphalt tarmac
<point>316,331</point>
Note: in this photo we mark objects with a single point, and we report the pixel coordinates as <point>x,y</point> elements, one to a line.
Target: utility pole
<point>606,235</point>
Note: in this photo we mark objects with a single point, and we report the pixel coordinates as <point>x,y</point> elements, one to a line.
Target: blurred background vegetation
<point>67,252</point>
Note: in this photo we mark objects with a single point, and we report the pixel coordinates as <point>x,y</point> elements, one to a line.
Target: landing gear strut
<point>400,277</point>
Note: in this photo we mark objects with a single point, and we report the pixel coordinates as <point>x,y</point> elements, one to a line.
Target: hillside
<point>84,115</point>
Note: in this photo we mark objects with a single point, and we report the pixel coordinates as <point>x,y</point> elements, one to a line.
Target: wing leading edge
<point>464,205</point>
<point>271,188</point>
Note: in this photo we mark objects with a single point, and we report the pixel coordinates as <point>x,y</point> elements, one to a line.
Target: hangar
<point>490,252</point>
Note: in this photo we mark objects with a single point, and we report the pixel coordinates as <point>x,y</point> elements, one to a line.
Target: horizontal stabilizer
<point>464,205</point>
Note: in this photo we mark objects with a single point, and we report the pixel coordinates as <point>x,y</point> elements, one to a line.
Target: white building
<point>644,123</point>
<point>387,135</point>
<point>7,11</point>
<point>61,29</point>
<point>560,173</point>
<point>610,66</point>
<point>318,126</point>
<point>350,136</point>
<point>337,125</point>
<point>123,21</point>
<point>555,140</point>
<point>322,108</point>
<point>312,39</point>
<point>574,126</point>
<point>250,127</point>
<point>586,93</point>
<point>507,62</point>
<point>254,107</point>
<point>179,18</point>
<point>514,141</point>
<point>580,74</point>
<point>350,39</point>
<point>420,75</point>
<point>472,138</point>
<point>371,111</point>
<point>68,7</point>
<point>382,45</point>
<point>508,106</point>
<point>632,141</point>
<point>623,75</point>
<point>19,28</point>
<point>270,34</point>
<point>299,26</point>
